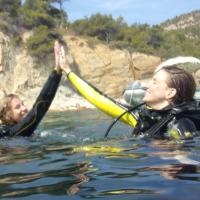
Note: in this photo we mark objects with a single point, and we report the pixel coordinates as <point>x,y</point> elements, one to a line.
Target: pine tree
<point>62,16</point>
<point>10,6</point>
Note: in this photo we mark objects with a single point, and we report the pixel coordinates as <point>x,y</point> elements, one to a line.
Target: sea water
<point>68,158</point>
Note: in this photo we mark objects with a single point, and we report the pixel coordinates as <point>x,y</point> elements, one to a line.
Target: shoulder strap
<point>190,109</point>
<point>157,126</point>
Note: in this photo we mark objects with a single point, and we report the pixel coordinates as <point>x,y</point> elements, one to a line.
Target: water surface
<point>71,160</point>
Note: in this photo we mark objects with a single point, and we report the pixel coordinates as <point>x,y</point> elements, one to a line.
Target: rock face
<point>5,61</point>
<point>109,70</point>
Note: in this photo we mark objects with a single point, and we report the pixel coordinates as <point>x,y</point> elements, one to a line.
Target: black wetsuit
<point>27,126</point>
<point>167,123</point>
<point>154,123</point>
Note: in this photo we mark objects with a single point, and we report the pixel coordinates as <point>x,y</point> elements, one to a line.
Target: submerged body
<point>180,125</point>
<point>26,122</point>
<point>170,87</point>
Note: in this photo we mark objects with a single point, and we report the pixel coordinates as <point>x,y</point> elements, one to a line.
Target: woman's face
<point>158,94</point>
<point>18,109</point>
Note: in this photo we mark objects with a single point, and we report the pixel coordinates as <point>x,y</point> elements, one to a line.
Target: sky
<point>151,12</point>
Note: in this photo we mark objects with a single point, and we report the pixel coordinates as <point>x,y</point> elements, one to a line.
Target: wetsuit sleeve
<point>100,100</point>
<point>27,126</point>
<point>182,128</point>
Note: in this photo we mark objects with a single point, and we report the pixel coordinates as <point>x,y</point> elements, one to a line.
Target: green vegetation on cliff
<point>45,22</point>
<point>154,40</point>
<point>38,17</point>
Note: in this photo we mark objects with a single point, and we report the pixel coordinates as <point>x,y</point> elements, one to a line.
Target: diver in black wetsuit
<point>168,110</point>
<point>172,108</point>
<point>16,120</point>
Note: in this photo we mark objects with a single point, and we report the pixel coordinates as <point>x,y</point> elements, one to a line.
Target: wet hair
<point>5,109</point>
<point>183,82</point>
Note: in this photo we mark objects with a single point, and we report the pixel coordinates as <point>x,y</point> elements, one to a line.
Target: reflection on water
<point>70,159</point>
<point>179,171</point>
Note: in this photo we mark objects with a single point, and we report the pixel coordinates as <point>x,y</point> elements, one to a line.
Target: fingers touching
<point>57,49</point>
<point>60,57</point>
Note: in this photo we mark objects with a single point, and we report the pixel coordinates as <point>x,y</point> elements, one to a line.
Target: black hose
<point>118,118</point>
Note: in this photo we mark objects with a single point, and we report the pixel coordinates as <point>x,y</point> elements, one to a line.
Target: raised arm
<point>94,96</point>
<point>27,126</point>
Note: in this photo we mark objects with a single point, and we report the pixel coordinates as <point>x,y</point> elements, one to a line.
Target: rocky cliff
<point>109,70</point>
<point>190,19</point>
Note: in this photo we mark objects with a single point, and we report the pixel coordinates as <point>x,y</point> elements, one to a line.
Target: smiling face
<point>18,109</point>
<point>158,94</point>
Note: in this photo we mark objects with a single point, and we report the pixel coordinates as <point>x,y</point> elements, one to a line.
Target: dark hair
<point>5,109</point>
<point>183,82</point>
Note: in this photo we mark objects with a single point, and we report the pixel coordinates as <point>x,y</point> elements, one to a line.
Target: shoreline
<point>71,109</point>
<point>75,104</point>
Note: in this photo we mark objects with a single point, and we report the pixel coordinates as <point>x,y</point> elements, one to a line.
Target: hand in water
<point>60,57</point>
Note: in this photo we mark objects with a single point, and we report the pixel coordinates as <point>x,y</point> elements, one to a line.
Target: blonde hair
<point>5,109</point>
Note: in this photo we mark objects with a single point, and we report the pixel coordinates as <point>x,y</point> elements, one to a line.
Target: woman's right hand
<point>56,54</point>
<point>60,58</point>
<point>63,62</point>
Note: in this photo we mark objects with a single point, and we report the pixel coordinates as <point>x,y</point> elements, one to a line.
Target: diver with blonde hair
<point>15,118</point>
